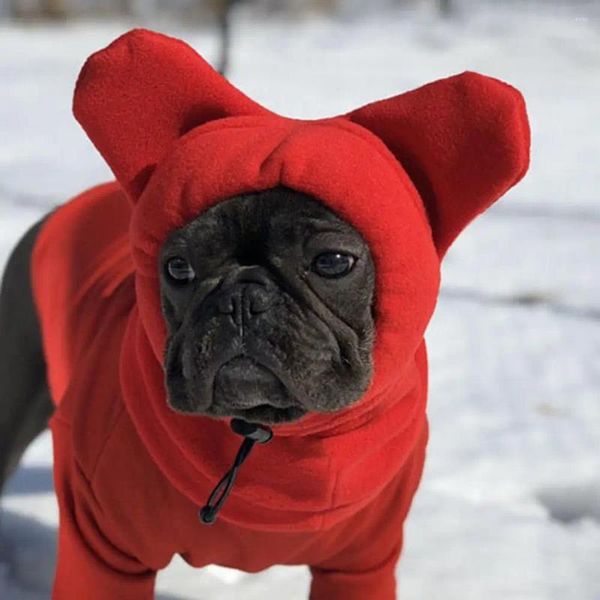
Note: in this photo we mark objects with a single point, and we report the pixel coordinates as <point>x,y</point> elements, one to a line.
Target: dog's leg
<point>366,567</point>
<point>25,404</point>
<point>372,581</point>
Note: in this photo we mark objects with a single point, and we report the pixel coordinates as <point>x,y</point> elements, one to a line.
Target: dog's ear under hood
<point>142,93</point>
<point>464,141</point>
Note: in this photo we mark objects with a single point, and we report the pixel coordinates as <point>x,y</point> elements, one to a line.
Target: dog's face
<point>268,302</point>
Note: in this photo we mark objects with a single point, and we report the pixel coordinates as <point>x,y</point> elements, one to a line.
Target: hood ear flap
<point>464,141</point>
<point>137,96</point>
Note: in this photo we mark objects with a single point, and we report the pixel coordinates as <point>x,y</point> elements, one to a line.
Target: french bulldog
<point>250,283</point>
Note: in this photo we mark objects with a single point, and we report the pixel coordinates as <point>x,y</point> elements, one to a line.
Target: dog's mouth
<point>246,389</point>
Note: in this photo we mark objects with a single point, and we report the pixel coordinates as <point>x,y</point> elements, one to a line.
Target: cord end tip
<point>207,515</point>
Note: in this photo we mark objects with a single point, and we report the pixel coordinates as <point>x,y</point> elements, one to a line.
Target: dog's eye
<point>333,264</point>
<point>179,270</point>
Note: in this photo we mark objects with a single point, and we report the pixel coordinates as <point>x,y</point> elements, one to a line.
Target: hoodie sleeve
<point>90,565</point>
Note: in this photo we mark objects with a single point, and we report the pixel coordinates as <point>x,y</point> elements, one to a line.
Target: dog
<point>227,341</point>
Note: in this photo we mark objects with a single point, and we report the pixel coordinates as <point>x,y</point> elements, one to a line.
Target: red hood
<point>408,172</point>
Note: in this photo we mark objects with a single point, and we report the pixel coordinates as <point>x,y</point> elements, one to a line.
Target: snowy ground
<point>510,505</point>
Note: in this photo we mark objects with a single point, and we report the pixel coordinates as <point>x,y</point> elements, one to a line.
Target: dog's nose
<point>245,298</point>
<point>246,293</point>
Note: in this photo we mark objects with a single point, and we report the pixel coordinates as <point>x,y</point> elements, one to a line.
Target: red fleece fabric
<point>330,491</point>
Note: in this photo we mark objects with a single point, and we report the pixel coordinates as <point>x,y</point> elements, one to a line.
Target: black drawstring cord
<point>252,433</point>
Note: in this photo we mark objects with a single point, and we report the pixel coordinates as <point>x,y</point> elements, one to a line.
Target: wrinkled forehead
<point>279,213</point>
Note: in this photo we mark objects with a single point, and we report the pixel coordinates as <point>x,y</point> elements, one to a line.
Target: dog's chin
<point>246,389</point>
<point>263,413</point>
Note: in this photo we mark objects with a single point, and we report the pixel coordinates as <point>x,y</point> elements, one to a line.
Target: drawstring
<point>252,433</point>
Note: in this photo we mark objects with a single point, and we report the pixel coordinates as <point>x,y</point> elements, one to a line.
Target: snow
<point>509,507</point>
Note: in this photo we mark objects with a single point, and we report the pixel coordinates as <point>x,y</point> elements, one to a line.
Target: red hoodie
<point>330,491</point>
